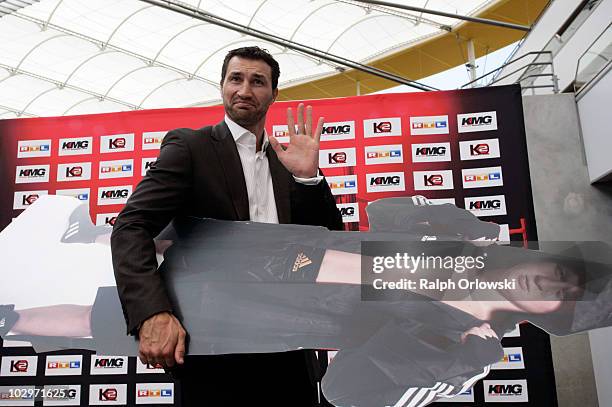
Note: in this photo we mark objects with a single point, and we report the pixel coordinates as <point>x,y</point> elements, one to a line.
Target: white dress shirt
<point>262,206</point>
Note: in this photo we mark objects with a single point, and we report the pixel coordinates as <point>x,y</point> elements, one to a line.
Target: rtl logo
<point>343,184</point>
<point>281,133</point>
<point>109,394</point>
<point>438,124</point>
<point>152,140</point>
<point>115,168</point>
<point>154,393</point>
<point>31,149</point>
<point>75,364</point>
<point>493,176</point>
<point>514,357</point>
<point>384,154</point>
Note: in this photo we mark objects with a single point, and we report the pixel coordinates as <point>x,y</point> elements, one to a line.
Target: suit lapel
<point>281,179</point>
<point>227,153</point>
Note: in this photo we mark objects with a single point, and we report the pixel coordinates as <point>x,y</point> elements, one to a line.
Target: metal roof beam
<point>230,25</point>
<point>449,15</point>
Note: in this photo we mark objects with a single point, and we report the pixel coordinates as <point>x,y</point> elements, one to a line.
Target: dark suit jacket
<point>198,173</point>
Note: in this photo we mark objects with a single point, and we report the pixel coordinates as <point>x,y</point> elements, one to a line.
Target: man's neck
<point>258,130</point>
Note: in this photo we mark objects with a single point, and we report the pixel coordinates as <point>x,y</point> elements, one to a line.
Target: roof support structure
<point>350,27</point>
<point>163,47</point>
<point>230,25</point>
<point>283,49</point>
<point>313,12</point>
<point>17,112</point>
<point>125,20</point>
<point>34,99</point>
<point>78,103</point>
<point>416,20</point>
<point>100,44</point>
<point>254,14</point>
<point>60,85</point>
<point>85,61</point>
<point>158,88</point>
<point>10,6</point>
<point>450,15</point>
<point>36,46</point>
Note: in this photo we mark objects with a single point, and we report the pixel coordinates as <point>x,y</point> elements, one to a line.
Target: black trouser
<point>268,379</point>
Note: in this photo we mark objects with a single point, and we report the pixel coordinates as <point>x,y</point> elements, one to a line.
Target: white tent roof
<point>66,57</point>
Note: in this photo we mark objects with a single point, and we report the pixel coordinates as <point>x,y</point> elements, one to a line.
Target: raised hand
<point>301,156</point>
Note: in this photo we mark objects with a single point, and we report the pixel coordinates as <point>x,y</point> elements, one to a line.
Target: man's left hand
<point>301,156</point>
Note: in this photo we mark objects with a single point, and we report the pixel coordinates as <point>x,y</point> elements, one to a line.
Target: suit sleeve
<point>315,205</point>
<point>156,200</point>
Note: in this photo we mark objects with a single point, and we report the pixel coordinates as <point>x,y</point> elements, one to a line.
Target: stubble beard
<point>246,118</point>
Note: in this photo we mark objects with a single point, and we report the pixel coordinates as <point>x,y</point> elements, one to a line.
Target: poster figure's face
<point>247,90</point>
<point>542,287</point>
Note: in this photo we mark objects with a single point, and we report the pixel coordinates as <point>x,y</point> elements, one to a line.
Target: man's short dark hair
<point>253,53</point>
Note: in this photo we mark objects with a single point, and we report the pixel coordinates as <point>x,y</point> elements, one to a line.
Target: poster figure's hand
<point>484,331</point>
<point>162,340</point>
<point>301,156</point>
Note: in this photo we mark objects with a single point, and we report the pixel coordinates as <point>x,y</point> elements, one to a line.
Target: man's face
<point>247,90</point>
<point>542,287</point>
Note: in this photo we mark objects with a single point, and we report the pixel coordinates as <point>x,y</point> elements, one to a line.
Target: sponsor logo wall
<point>460,147</point>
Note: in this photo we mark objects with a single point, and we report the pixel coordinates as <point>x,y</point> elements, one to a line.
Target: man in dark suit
<point>231,171</point>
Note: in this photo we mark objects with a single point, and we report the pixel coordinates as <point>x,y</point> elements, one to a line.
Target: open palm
<point>301,155</point>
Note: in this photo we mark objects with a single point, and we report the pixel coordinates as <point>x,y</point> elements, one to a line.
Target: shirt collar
<point>242,134</point>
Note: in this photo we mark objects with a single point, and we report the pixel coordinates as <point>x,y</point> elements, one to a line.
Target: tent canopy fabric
<point>67,57</point>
